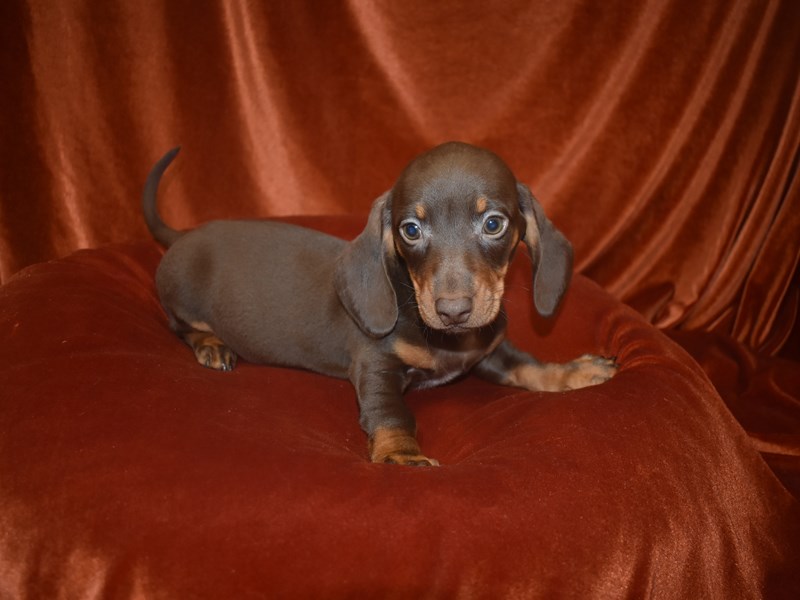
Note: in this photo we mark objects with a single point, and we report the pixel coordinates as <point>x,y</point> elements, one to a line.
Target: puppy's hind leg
<point>209,350</point>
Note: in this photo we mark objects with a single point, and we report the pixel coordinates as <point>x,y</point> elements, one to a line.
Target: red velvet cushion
<point>126,468</point>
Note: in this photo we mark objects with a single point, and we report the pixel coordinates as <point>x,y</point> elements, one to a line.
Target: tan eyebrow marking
<point>481,204</point>
<point>419,210</point>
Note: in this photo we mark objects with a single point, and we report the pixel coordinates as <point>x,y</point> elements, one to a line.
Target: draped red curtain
<point>661,136</point>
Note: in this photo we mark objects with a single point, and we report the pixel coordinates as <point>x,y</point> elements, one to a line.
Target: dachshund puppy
<point>414,301</point>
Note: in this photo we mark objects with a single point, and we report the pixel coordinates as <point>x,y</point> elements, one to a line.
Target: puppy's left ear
<point>550,252</point>
<point>362,275</point>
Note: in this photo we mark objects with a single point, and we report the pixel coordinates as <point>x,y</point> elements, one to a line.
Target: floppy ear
<point>550,252</point>
<point>361,279</point>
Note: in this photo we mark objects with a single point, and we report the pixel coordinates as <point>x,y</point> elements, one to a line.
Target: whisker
<point>409,286</point>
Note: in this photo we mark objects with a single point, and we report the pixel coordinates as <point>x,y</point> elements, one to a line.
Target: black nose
<point>454,311</point>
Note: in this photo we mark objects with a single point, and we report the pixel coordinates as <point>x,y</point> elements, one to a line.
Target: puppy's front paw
<point>414,460</point>
<point>588,370</point>
<point>396,446</point>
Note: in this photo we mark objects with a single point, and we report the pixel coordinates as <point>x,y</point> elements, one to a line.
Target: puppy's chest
<point>429,365</point>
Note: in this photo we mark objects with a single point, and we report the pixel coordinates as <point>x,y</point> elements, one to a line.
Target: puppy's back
<point>265,288</point>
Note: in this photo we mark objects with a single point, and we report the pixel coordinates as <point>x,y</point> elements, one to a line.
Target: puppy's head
<point>453,221</point>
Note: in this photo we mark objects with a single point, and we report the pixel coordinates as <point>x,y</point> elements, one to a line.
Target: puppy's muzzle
<point>457,311</point>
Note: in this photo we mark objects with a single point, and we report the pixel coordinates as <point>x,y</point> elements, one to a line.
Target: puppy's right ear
<point>362,280</point>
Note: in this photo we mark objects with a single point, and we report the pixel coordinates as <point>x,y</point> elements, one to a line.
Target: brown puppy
<point>414,301</point>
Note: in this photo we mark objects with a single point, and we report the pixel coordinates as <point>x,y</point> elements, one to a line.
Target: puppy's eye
<point>411,231</point>
<point>495,225</point>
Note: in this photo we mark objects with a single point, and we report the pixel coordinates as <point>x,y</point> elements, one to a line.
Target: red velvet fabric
<point>763,393</point>
<point>127,470</point>
<point>661,136</point>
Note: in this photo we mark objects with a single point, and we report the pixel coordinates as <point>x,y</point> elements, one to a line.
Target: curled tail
<point>160,231</point>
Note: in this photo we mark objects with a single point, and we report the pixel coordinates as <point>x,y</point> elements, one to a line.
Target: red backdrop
<point>661,136</point>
